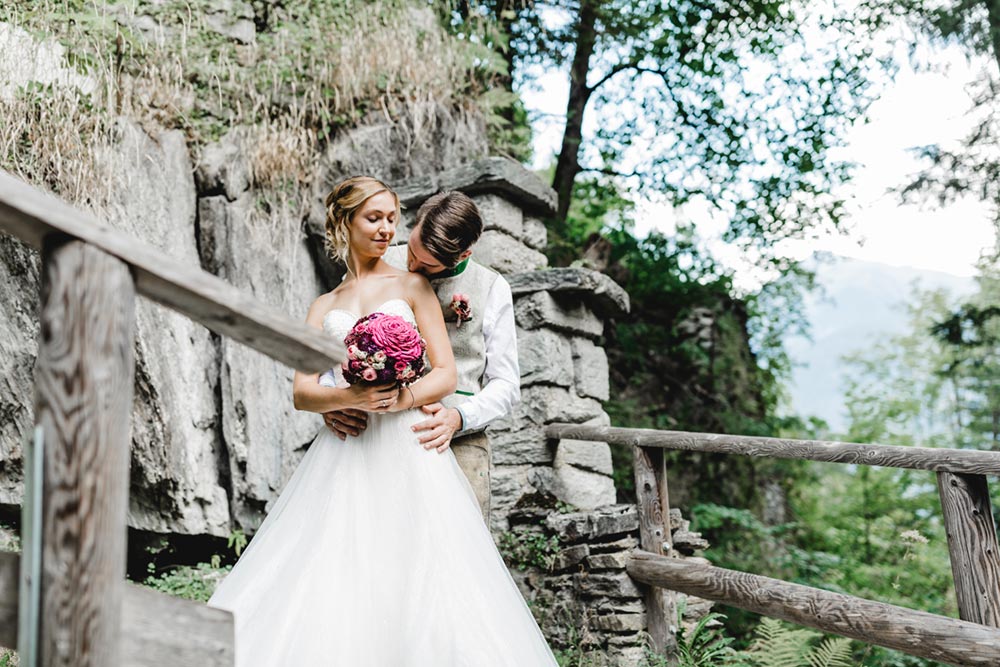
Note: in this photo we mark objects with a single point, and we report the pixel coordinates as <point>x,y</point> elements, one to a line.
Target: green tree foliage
<point>971,334</point>
<point>872,532</point>
<point>935,385</point>
<point>720,102</point>
<point>683,357</point>
<point>972,167</point>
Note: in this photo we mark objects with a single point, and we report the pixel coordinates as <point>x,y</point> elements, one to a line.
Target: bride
<point>376,554</point>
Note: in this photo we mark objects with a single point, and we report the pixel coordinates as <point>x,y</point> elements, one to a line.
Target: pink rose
<point>353,352</point>
<point>369,374</point>
<point>396,337</point>
<point>401,366</point>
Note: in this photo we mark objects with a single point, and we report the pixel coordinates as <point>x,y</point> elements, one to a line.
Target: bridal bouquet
<point>383,349</point>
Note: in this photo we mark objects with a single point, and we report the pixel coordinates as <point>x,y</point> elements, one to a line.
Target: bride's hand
<point>404,400</point>
<point>375,398</point>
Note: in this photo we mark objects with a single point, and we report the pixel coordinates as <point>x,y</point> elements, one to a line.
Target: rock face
<point>175,450</point>
<point>214,433</point>
<point>19,332</point>
<point>264,435</point>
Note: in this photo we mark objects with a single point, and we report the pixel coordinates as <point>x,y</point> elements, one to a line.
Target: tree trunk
<point>568,164</point>
<point>993,19</point>
<point>502,16</point>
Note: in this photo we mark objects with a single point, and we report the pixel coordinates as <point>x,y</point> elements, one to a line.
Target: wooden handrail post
<point>84,384</point>
<point>972,545</point>
<point>653,504</point>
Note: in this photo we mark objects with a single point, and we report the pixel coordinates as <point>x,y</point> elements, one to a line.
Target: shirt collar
<point>451,273</point>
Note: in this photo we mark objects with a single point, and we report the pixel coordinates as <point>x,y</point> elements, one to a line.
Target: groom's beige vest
<point>467,341</point>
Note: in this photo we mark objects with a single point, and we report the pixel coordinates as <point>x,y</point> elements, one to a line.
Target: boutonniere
<point>462,309</point>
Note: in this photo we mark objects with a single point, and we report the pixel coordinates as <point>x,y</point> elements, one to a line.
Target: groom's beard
<point>439,274</point>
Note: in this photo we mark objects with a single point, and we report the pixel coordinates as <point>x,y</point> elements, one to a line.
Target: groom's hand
<point>439,428</point>
<point>346,422</point>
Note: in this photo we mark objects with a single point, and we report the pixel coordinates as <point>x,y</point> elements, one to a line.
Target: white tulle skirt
<point>376,554</point>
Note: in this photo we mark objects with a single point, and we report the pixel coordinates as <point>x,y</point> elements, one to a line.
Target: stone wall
<point>584,600</point>
<point>560,316</point>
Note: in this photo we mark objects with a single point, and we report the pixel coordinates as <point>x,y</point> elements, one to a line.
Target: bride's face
<point>373,226</point>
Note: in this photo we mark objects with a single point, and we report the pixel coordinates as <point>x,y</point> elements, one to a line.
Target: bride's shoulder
<point>415,282</point>
<point>323,303</point>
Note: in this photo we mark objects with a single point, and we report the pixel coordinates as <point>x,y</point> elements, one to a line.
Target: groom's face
<point>418,257</point>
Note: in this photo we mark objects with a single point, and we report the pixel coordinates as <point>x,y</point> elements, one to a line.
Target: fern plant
<point>833,652</point>
<point>705,646</point>
<point>776,645</point>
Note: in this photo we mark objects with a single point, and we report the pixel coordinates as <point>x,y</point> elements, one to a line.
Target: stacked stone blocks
<point>560,315</point>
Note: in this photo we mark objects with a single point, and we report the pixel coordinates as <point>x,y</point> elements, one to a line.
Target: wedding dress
<point>376,555</point>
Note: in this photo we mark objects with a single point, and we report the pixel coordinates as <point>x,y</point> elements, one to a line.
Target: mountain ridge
<point>856,302</point>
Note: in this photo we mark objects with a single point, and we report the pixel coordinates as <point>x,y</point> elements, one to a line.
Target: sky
<point>917,108</point>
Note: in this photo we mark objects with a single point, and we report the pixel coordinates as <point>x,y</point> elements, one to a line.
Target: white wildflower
<point>913,537</point>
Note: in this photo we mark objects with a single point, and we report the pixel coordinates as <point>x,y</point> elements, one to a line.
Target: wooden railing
<point>968,519</point>
<point>65,601</point>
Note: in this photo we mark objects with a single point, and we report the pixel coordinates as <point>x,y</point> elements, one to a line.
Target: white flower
<point>913,537</point>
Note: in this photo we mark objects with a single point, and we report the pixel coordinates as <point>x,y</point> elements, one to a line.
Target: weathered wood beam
<point>914,632</point>
<point>890,456</point>
<point>158,630</point>
<point>653,504</point>
<point>164,631</point>
<point>31,215</point>
<point>972,545</point>
<point>83,406</point>
<point>10,570</point>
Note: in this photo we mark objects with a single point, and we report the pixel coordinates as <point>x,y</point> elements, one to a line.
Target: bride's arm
<point>442,380</point>
<point>309,395</point>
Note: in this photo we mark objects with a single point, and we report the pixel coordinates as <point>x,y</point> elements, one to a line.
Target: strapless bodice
<point>338,322</point>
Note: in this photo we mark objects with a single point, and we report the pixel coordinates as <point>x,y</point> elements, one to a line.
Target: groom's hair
<point>449,224</point>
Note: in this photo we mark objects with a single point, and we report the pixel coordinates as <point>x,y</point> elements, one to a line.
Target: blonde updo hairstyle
<point>342,203</point>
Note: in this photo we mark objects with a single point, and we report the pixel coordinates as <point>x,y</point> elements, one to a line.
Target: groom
<point>479,314</point>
